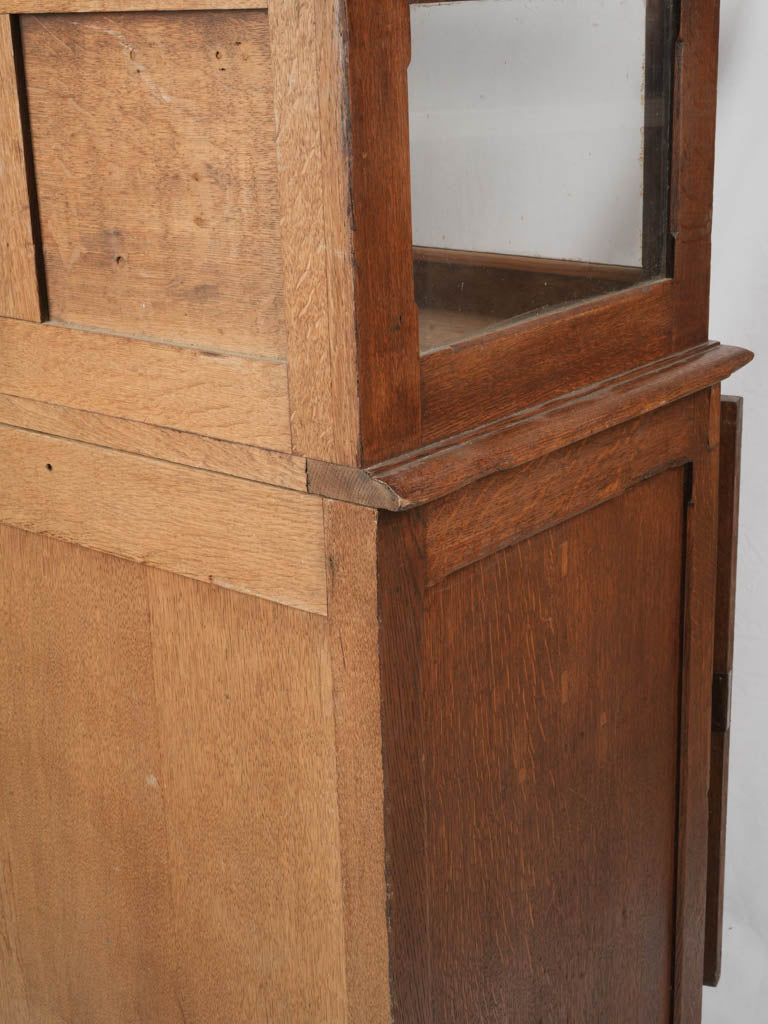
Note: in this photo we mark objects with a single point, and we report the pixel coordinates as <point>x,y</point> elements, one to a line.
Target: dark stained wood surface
<point>731,412</point>
<point>440,469</point>
<point>379,51</point>
<point>531,743</point>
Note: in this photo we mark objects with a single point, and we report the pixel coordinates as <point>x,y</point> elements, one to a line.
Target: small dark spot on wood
<point>118,260</point>
<point>49,467</point>
<point>132,54</point>
<point>200,220</point>
<point>218,55</point>
<point>238,43</point>
<point>222,69</point>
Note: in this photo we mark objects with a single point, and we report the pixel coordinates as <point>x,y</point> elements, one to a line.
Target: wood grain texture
<point>505,508</point>
<point>158,203</point>
<point>354,644</point>
<point>112,6</point>
<point>534,817</point>
<point>695,724</point>
<point>233,533</point>
<point>543,357</point>
<point>245,710</point>
<point>261,464</point>
<point>230,397</point>
<point>401,582</point>
<point>171,849</point>
<point>447,466</point>
<point>731,413</point>
<point>333,111</point>
<point>300,180</point>
<point>19,294</point>
<point>387,325</point>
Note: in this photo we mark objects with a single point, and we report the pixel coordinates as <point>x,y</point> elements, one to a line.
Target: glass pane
<point>539,155</point>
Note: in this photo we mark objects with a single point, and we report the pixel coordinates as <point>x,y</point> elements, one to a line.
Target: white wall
<point>527,127</point>
<point>740,316</point>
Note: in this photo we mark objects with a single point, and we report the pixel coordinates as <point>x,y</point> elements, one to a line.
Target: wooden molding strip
<point>528,264</point>
<point>431,473</point>
<point>498,511</point>
<point>166,443</point>
<point>19,291</point>
<point>113,6</point>
<point>234,533</point>
<point>235,398</point>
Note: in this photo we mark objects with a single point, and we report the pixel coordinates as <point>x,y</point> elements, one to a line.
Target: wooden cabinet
<point>363,601</point>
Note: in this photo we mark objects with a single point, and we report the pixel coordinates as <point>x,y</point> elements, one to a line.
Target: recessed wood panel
<point>154,148</point>
<point>169,833</point>
<point>531,771</point>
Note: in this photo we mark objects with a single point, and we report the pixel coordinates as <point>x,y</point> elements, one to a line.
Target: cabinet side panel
<point>549,732</point>
<point>170,834</point>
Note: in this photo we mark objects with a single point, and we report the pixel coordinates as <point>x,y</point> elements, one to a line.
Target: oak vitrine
<point>368,512</point>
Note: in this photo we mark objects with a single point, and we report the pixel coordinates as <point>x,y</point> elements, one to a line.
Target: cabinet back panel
<point>549,723</point>
<point>168,823</point>
<point>154,149</point>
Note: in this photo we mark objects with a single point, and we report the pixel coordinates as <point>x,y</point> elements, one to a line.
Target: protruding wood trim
<point>731,413</point>
<point>19,289</point>
<point>233,533</point>
<point>431,473</point>
<point>506,508</point>
<point>232,397</point>
<point>353,625</point>
<point>695,725</point>
<point>112,6</point>
<point>245,461</point>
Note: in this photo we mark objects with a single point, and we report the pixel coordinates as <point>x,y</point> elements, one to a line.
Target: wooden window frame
<point>407,400</point>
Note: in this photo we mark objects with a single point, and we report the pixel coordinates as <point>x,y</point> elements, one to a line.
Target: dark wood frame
<point>408,401</point>
<point>420,547</point>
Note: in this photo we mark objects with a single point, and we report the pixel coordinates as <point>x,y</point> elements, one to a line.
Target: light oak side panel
<point>233,533</point>
<point>230,397</point>
<point>154,146</point>
<point>171,843</point>
<point>85,863</point>
<point>261,464</point>
<point>300,174</point>
<point>19,295</point>
<point>245,714</point>
<point>350,533</point>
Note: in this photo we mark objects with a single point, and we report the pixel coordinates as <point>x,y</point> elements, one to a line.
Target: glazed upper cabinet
<point>391,252</point>
<point>367,512</point>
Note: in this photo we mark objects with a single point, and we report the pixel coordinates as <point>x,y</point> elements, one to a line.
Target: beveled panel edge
<point>238,534</point>
<point>168,444</point>
<point>126,6</point>
<point>20,283</point>
<point>433,472</point>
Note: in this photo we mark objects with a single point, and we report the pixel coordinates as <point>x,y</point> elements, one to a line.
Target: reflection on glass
<point>539,155</point>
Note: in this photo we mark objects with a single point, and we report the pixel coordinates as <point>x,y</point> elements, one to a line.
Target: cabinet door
<point>546,765</point>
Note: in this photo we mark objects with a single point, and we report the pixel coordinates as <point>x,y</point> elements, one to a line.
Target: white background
<point>527,127</point>
<point>739,311</point>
